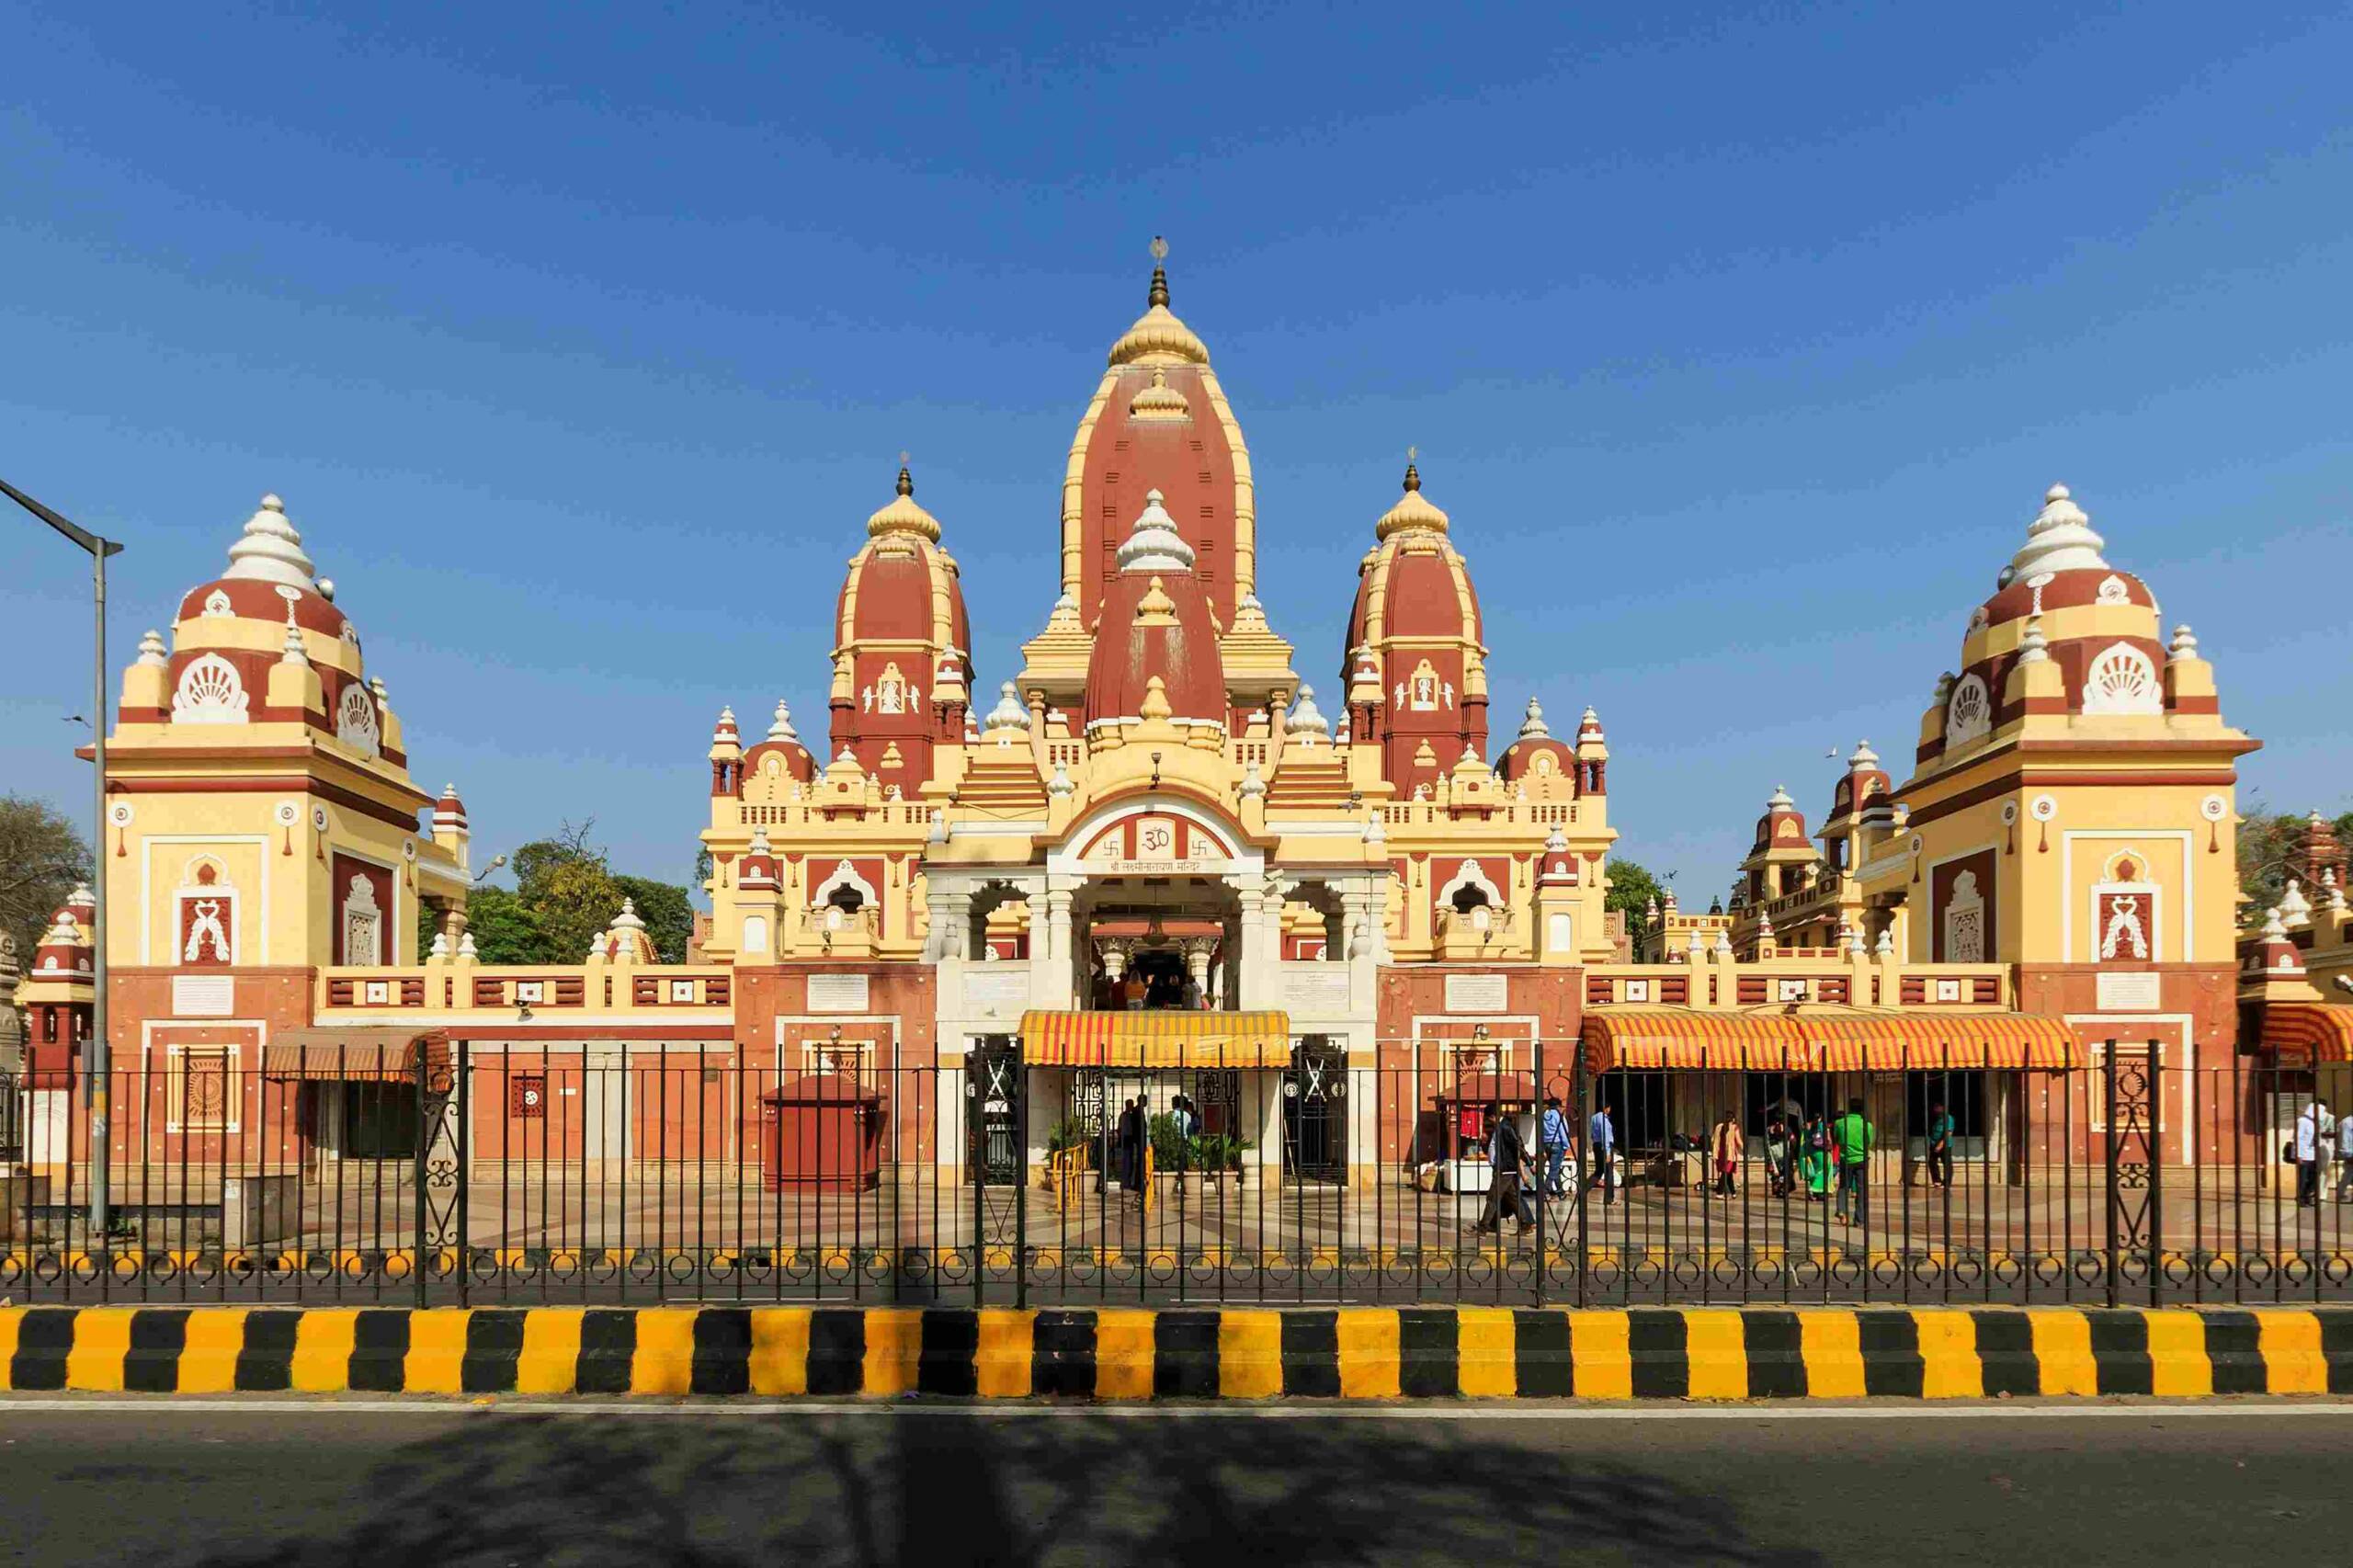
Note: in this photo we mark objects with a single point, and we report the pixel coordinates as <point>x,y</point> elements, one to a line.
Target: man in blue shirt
<point>1555,1139</point>
<point>1602,1141</point>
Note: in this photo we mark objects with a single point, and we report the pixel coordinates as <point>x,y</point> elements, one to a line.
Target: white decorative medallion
<point>211,692</point>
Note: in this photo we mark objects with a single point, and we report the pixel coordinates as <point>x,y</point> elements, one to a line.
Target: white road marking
<point>2255,1406</point>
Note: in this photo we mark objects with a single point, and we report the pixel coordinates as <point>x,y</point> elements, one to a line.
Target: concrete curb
<point>1336,1353</point>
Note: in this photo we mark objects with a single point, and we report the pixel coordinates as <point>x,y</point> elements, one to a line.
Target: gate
<point>1315,1111</point>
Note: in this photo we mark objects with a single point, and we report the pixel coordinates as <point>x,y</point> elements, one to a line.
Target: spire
<point>1411,511</point>
<point>270,550</point>
<point>1534,728</point>
<point>782,728</point>
<point>2059,540</point>
<point>1153,544</point>
<point>1158,337</point>
<point>902,515</point>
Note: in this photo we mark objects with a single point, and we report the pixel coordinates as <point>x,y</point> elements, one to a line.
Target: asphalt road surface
<point>349,1482</point>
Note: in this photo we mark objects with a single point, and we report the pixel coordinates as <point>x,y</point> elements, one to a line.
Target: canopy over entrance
<point>2308,1033</point>
<point>1166,1039</point>
<point>345,1055</point>
<point>1817,1039</point>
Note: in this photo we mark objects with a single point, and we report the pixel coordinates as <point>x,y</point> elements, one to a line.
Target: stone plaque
<point>203,996</point>
<point>1478,993</point>
<point>2131,992</point>
<point>1317,990</point>
<point>997,990</point>
<point>837,994</point>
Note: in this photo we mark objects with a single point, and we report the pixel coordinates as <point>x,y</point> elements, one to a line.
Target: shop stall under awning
<point>365,1055</point>
<point>1816,1038</point>
<point>1172,1037</point>
<point>2308,1034</point>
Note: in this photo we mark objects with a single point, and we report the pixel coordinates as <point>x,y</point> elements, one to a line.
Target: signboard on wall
<point>1315,989</point>
<point>838,994</point>
<point>1478,994</point>
<point>2129,992</point>
<point>997,991</point>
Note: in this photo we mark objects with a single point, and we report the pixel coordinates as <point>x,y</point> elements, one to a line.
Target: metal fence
<point>685,1176</point>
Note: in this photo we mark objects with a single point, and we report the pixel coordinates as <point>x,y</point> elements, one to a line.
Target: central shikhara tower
<point>1157,807</point>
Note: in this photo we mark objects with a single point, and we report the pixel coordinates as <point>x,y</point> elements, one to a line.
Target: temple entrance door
<point>1315,1111</point>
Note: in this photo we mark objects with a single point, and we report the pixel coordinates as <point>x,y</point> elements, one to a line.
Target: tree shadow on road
<point>708,1490</point>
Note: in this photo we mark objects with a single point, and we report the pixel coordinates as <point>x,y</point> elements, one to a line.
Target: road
<point>352,1482</point>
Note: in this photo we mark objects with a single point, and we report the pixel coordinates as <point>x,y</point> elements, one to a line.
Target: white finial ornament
<point>2034,648</point>
<point>151,648</point>
<point>2275,925</point>
<point>2060,539</point>
<point>1252,784</point>
<point>1007,716</point>
<point>1864,757</point>
<point>1886,947</point>
<point>269,549</point>
<point>441,948</point>
<point>293,654</point>
<point>781,729</point>
<point>1307,720</point>
<point>1059,784</point>
<point>1152,543</point>
<point>2295,907</point>
<point>1779,801</point>
<point>466,946</point>
<point>1534,728</point>
<point>2185,645</point>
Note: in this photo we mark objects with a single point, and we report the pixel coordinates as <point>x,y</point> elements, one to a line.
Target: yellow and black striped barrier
<point>1344,1353</point>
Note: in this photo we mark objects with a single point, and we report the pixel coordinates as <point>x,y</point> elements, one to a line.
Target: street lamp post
<point>96,1069</point>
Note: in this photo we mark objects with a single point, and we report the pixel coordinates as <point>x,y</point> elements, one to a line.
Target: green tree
<point>42,854</point>
<point>1632,887</point>
<point>507,930</point>
<point>669,916</point>
<point>567,884</point>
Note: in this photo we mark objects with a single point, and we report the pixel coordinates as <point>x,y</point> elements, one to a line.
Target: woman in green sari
<point>1818,1166</point>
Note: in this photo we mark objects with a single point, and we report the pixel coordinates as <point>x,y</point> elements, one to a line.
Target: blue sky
<point>1740,344</point>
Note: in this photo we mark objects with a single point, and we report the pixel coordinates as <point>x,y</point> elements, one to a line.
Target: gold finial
<point>906,478</point>
<point>1159,295</point>
<point>1412,475</point>
<point>1159,248</point>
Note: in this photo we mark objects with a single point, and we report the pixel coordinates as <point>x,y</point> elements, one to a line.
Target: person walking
<point>1855,1137</point>
<point>1728,1145</point>
<point>1817,1158</point>
<point>1132,1136</point>
<point>2315,1133</point>
<point>1555,1140</point>
<point>1939,1146</point>
<point>1780,1145</point>
<point>1506,1164</point>
<point>1601,1143</point>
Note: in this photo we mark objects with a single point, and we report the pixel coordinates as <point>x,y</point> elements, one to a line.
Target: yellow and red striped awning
<point>2308,1033</point>
<point>1164,1038</point>
<point>1817,1038</point>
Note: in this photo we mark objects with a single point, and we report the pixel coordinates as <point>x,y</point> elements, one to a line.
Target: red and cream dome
<point>781,755</point>
<point>266,609</point>
<point>1782,823</point>
<point>1156,626</point>
<point>1537,751</point>
<point>2058,599</point>
<point>64,948</point>
<point>1864,786</point>
<point>1416,660</point>
<point>900,682</point>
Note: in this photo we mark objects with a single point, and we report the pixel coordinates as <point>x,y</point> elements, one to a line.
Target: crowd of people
<point>1826,1159</point>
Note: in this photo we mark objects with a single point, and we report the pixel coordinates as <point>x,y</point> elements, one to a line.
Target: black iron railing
<point>680,1174</point>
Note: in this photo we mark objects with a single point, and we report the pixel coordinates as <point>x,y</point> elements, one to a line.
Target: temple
<point>1163,857</point>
